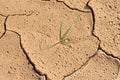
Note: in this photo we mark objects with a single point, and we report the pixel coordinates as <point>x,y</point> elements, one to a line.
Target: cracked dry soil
<point>28,29</point>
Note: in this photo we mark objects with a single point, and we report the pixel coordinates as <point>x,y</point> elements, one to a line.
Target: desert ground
<point>59,39</point>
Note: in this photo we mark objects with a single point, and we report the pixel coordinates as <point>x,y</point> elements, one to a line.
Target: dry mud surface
<point>30,47</point>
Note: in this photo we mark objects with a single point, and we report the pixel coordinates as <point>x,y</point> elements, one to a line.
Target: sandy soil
<point>30,28</point>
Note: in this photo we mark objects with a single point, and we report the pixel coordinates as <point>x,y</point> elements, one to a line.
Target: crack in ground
<point>112,56</point>
<point>34,67</point>
<point>2,15</point>
<point>73,8</point>
<point>99,47</point>
<point>92,12</point>
<point>6,17</point>
<point>81,66</point>
<point>4,26</point>
<point>28,58</point>
<point>108,54</point>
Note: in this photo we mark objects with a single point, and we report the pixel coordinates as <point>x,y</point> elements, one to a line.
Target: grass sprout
<point>62,38</point>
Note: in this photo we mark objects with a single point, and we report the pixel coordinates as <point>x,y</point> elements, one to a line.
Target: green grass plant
<point>63,38</point>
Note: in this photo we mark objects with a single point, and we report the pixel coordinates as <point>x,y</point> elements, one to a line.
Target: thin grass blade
<point>74,24</point>
<point>60,32</point>
<point>53,45</point>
